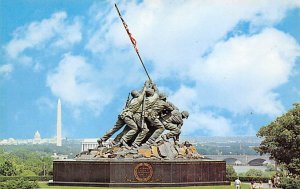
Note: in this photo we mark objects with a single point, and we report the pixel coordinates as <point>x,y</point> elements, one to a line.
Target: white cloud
<point>186,42</point>
<point>56,30</point>
<point>186,98</point>
<point>241,73</point>
<point>175,34</point>
<point>239,76</point>
<point>93,86</point>
<point>208,123</point>
<point>6,69</point>
<point>78,84</point>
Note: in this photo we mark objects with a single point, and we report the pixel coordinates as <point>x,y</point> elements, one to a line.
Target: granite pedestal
<point>139,173</point>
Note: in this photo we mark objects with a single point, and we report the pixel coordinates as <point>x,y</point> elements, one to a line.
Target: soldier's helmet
<point>185,114</point>
<point>135,93</point>
<point>149,92</point>
<point>162,96</point>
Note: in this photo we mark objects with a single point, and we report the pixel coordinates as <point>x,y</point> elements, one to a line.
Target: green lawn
<point>244,186</point>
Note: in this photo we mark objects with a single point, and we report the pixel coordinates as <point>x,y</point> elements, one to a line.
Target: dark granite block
<point>139,172</point>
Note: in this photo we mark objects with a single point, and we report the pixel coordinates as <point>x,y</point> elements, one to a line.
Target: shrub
<point>290,183</point>
<point>27,173</point>
<point>30,178</point>
<point>19,184</point>
<point>254,173</point>
<point>230,172</point>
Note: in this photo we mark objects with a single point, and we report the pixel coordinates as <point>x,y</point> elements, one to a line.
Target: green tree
<point>281,139</point>
<point>8,169</point>
<point>254,173</point>
<point>230,172</point>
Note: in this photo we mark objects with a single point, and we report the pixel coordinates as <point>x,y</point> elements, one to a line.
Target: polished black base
<point>138,173</point>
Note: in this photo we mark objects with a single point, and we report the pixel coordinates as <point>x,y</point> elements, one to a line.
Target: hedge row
<point>31,178</point>
<point>249,179</point>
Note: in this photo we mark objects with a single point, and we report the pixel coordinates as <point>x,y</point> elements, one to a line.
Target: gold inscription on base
<point>143,172</point>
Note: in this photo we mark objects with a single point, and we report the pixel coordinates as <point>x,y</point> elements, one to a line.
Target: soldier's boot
<point>134,145</point>
<point>150,142</point>
<point>146,145</point>
<point>116,144</point>
<point>100,143</point>
<point>123,142</point>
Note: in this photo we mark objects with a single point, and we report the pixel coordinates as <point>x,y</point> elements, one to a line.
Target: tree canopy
<point>281,139</point>
<point>25,163</point>
<point>8,169</point>
<point>230,172</point>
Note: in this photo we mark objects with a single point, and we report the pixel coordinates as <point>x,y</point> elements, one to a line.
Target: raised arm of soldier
<point>125,117</point>
<point>151,98</point>
<point>152,95</point>
<point>154,87</point>
<point>136,102</point>
<point>146,86</point>
<point>129,112</point>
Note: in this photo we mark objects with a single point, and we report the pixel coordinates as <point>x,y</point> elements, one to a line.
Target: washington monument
<point>58,124</point>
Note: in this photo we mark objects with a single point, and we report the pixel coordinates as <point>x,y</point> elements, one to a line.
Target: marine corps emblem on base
<point>143,172</point>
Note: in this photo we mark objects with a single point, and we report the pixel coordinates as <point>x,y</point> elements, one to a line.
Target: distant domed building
<point>37,138</point>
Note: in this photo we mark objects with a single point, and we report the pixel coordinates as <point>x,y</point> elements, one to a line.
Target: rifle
<point>143,112</point>
<point>127,101</point>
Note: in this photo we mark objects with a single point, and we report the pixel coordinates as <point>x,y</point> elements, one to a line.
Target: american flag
<point>132,39</point>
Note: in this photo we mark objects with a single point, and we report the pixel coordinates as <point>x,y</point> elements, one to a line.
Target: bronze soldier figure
<point>173,122</point>
<point>153,115</point>
<point>151,98</point>
<point>126,117</point>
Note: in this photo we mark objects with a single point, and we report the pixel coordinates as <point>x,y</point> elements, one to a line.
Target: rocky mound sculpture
<point>161,151</point>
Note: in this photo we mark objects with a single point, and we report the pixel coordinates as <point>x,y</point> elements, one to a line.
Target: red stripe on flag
<point>132,39</point>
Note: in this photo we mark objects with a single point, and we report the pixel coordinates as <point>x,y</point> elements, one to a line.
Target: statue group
<point>147,114</point>
<point>145,152</point>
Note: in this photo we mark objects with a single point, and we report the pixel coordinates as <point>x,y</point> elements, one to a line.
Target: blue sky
<point>234,65</point>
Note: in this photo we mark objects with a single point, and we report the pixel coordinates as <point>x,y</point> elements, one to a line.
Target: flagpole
<point>134,45</point>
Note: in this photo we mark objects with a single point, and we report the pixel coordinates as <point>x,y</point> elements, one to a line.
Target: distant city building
<point>59,157</point>
<point>37,138</point>
<point>58,124</point>
<point>221,139</point>
<point>91,143</point>
<point>220,142</point>
<point>9,141</point>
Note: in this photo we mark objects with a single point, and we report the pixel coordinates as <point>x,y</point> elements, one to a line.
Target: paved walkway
<point>265,186</point>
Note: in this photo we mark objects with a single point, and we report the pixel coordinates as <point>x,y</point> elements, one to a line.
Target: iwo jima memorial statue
<point>147,152</point>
